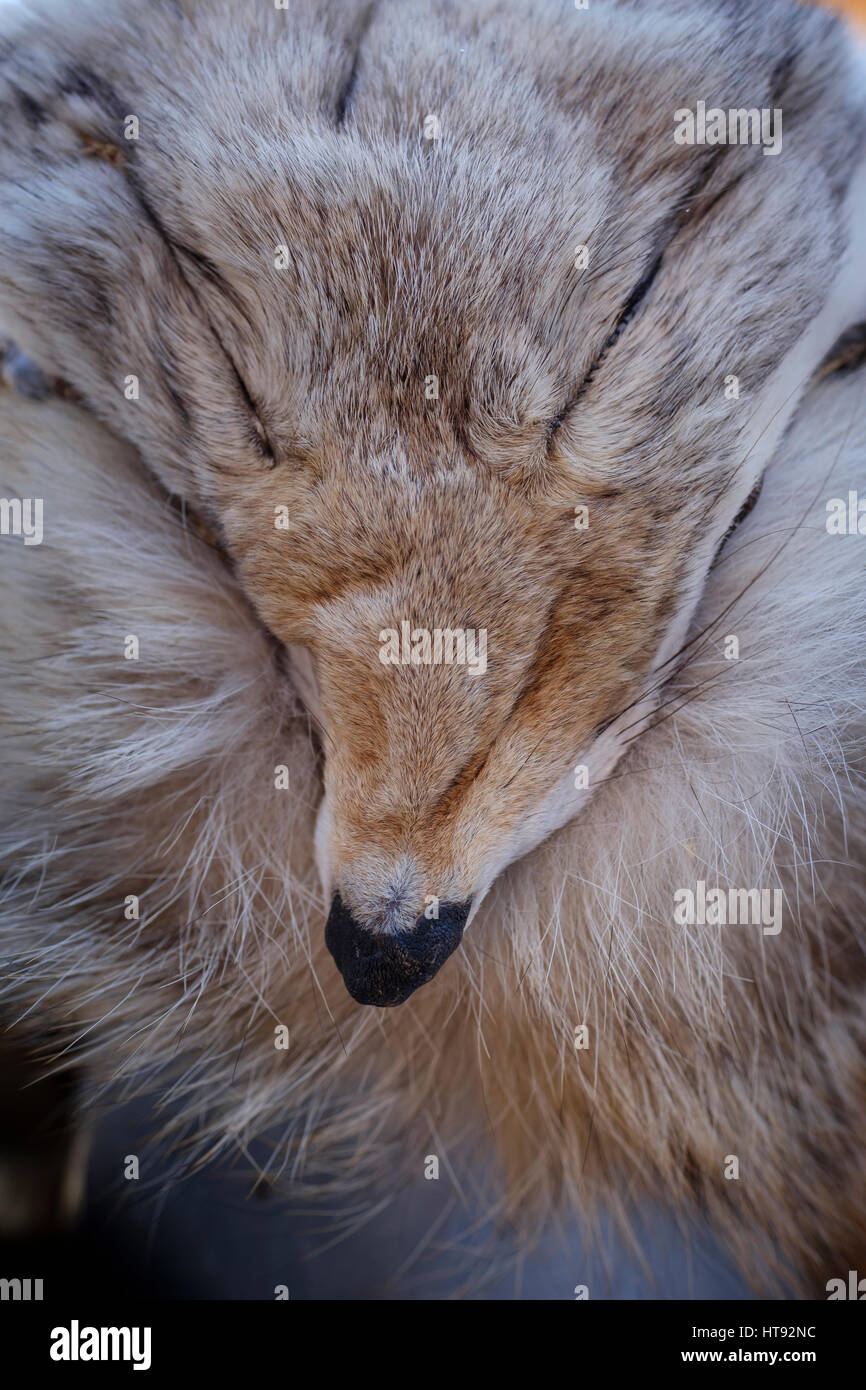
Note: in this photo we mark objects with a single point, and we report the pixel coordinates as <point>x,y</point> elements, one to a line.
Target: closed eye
<point>629,310</point>
<point>260,438</point>
<point>627,313</point>
<point>183,256</point>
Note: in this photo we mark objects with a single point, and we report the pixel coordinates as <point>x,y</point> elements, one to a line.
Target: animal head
<point>467,359</point>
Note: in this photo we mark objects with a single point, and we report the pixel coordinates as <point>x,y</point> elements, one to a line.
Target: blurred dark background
<point>208,1237</point>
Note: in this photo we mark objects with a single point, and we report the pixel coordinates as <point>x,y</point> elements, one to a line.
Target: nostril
<point>384,968</point>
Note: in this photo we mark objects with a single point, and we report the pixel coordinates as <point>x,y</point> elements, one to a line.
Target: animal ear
<point>92,286</point>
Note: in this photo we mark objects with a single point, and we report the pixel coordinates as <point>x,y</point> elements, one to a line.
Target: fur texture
<point>262,387</point>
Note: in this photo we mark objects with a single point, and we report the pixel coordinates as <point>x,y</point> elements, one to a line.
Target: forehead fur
<point>409,257</point>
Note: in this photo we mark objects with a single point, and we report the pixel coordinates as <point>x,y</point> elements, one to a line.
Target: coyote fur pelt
<point>154,780</point>
<point>149,781</point>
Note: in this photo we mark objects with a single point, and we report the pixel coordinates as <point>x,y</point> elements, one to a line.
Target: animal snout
<point>385,967</point>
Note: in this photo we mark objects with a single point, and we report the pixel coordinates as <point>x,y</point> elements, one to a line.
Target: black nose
<point>384,968</point>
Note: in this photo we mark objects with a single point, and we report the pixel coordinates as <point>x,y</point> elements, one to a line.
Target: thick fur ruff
<point>155,778</point>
